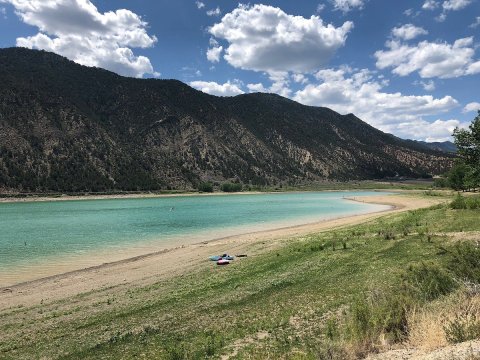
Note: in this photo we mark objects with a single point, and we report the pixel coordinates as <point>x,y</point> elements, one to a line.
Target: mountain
<point>67,127</point>
<point>445,146</point>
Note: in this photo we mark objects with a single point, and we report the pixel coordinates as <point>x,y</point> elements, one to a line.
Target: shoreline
<point>6,200</point>
<point>211,240</point>
<point>171,262</point>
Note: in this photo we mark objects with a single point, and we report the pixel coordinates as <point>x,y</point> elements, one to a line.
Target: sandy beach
<point>145,269</point>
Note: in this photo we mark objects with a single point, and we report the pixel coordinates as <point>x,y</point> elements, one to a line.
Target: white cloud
<point>214,52</point>
<point>264,38</point>
<point>456,5</point>
<point>348,91</point>
<point>471,107</point>
<point>430,59</point>
<point>430,5</point>
<point>280,83</point>
<point>258,87</point>
<point>427,85</point>
<point>299,78</point>
<point>441,18</point>
<point>347,5</point>
<point>77,30</point>
<point>408,32</point>
<point>448,5</point>
<point>213,88</point>
<point>320,8</point>
<point>3,12</point>
<point>438,130</point>
<point>214,12</point>
<point>476,23</point>
<point>200,5</point>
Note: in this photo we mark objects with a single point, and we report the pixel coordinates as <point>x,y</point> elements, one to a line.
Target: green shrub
<point>473,202</point>
<point>427,281</point>
<point>205,187</point>
<point>462,328</point>
<point>440,182</point>
<point>458,203</point>
<point>231,187</point>
<point>465,262</point>
<point>377,314</point>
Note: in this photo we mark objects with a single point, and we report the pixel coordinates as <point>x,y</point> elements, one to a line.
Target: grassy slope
<point>273,305</point>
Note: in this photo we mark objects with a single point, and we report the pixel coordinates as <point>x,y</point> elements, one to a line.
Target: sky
<point>410,67</point>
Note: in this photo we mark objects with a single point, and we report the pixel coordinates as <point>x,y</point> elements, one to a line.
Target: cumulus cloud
<point>347,5</point>
<point>265,38</point>
<point>360,92</point>
<point>200,5</point>
<point>214,52</point>
<point>258,87</point>
<point>438,130</point>
<point>476,23</point>
<point>214,12</point>
<point>455,5</point>
<point>447,5</point>
<point>430,5</point>
<point>280,83</point>
<point>441,60</point>
<point>408,32</point>
<point>320,8</point>
<point>427,85</point>
<point>213,88</point>
<point>471,107</point>
<point>299,78</point>
<point>78,31</point>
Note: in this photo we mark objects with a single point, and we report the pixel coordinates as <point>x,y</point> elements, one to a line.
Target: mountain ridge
<point>67,127</point>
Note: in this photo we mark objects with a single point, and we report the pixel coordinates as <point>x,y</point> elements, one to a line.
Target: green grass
<point>300,298</point>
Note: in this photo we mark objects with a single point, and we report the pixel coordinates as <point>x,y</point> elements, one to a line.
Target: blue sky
<point>410,67</point>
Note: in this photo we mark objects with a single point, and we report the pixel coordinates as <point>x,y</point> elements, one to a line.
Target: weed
<point>427,281</point>
<point>462,328</point>
<point>465,262</point>
<point>331,329</point>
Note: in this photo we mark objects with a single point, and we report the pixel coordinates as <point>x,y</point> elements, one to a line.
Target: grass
<point>336,294</point>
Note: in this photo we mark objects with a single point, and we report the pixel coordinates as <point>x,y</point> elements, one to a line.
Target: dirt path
<point>468,350</point>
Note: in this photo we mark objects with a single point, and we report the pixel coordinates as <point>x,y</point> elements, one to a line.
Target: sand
<point>150,268</point>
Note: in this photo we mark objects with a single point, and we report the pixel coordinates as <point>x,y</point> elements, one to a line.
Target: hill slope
<point>66,127</point>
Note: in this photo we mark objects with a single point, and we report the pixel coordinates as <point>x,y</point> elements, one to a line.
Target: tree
<point>468,144</point>
<point>456,176</point>
<point>205,187</point>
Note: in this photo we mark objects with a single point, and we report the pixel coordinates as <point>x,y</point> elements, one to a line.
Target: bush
<point>231,187</point>
<point>440,182</point>
<point>465,262</point>
<point>379,313</point>
<point>473,202</point>
<point>462,328</point>
<point>427,281</point>
<point>458,203</point>
<point>205,187</point>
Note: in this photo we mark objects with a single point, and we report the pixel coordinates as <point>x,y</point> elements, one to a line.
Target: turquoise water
<point>32,232</point>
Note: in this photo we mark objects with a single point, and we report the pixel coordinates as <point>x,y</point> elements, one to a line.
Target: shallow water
<point>36,233</point>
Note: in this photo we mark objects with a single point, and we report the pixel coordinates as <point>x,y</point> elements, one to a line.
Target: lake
<point>44,235</point>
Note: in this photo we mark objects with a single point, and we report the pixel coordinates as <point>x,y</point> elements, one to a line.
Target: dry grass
<point>427,325</point>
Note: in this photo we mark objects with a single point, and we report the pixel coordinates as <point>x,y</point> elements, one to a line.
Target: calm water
<point>37,232</point>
